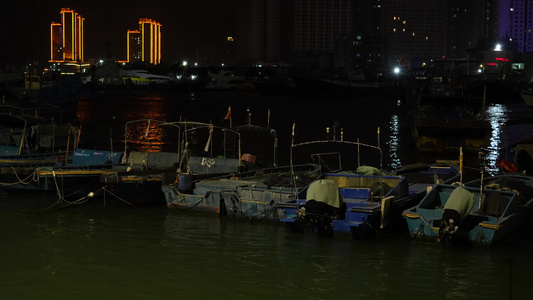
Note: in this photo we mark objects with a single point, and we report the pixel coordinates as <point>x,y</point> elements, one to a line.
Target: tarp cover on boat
<point>368,170</point>
<point>525,192</point>
<point>494,204</point>
<point>460,200</point>
<point>326,191</point>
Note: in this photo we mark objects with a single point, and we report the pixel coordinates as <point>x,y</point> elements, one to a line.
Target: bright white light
<point>498,47</point>
<point>184,63</point>
<point>396,70</point>
<point>479,70</point>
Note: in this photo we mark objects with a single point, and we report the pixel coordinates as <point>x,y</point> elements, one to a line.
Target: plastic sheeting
<point>326,191</point>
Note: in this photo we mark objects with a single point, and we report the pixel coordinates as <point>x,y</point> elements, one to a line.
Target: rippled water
<point>114,251</point>
<point>108,250</point>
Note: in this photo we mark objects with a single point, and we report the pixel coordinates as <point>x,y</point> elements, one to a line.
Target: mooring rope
<point>119,198</point>
<point>20,181</point>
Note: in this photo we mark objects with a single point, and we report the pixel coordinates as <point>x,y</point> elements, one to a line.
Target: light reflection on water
<point>497,115</point>
<point>146,136</point>
<point>358,118</point>
<point>394,142</point>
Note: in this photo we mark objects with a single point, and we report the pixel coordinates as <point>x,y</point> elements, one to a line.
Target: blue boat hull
<point>477,227</point>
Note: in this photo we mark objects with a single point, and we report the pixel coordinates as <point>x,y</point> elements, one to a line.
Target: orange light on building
<point>150,41</point>
<point>134,45</point>
<point>56,42</point>
<point>67,39</point>
<point>79,37</point>
<point>158,26</point>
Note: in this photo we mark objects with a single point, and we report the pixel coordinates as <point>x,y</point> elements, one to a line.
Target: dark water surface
<point>109,250</point>
<point>120,252</point>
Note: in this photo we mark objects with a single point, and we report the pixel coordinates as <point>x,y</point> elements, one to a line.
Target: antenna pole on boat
<point>22,140</point>
<point>68,144</point>
<point>290,158</point>
<point>481,189</point>
<point>147,128</point>
<point>125,140</point>
<point>380,168</point>
<point>358,153</point>
<point>461,165</point>
<point>240,154</point>
<point>224,144</point>
<point>380,154</point>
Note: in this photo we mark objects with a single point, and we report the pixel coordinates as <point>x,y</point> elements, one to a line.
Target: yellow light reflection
<point>149,107</point>
<point>146,137</point>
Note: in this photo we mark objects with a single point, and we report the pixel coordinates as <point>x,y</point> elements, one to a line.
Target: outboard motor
<point>378,191</point>
<point>324,203</point>
<point>457,207</point>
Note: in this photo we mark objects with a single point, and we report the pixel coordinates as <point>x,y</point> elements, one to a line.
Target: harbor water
<point>105,249</point>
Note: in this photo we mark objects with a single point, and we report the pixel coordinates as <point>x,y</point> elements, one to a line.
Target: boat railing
<point>185,128</point>
<point>357,143</point>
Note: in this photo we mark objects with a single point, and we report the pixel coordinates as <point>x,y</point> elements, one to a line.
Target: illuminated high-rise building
<point>56,45</point>
<point>66,40</point>
<point>134,44</point>
<point>145,44</point>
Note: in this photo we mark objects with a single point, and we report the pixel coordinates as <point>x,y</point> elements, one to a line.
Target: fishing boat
<point>252,195</point>
<point>88,173</point>
<point>26,133</point>
<point>250,191</point>
<point>360,203</point>
<point>221,154</point>
<point>132,176</point>
<point>480,212</point>
<point>64,174</point>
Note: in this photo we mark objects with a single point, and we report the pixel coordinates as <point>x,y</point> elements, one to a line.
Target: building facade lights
<point>145,44</point>
<point>67,38</point>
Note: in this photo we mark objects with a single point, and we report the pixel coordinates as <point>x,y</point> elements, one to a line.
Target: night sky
<point>188,27</point>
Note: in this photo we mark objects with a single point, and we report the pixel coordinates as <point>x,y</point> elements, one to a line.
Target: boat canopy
<point>326,191</point>
<point>461,200</point>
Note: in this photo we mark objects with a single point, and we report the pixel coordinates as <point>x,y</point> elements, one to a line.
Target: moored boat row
<point>321,196</point>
